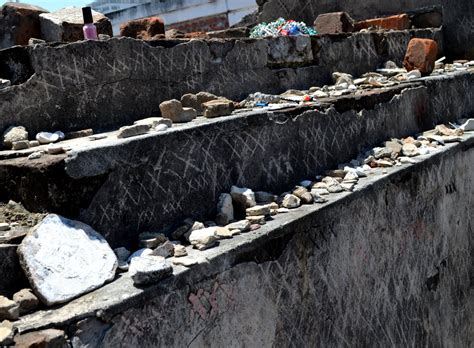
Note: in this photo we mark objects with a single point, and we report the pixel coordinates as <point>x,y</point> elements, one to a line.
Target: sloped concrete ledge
<point>388,264</point>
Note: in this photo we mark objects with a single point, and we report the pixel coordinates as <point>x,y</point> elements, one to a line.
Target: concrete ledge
<point>361,267</point>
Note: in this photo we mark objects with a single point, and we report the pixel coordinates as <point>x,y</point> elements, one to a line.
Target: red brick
<point>144,28</point>
<point>421,54</point>
<point>398,22</point>
<point>334,23</point>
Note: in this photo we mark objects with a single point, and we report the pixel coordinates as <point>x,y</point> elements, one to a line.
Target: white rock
<point>225,209</point>
<point>414,74</point>
<point>140,253</point>
<point>203,238</point>
<point>291,201</point>
<point>60,134</point>
<point>55,149</point>
<point>47,137</point>
<point>242,226</point>
<point>320,94</point>
<point>64,259</point>
<point>244,196</point>
<point>14,134</point>
<point>4,226</point>
<point>36,155</point>
<point>185,261</point>
<point>180,251</point>
<point>161,128</point>
<point>5,83</point>
<point>149,269</point>
<point>468,126</point>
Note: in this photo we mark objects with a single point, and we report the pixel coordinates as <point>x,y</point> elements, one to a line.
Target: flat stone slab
<point>64,259</point>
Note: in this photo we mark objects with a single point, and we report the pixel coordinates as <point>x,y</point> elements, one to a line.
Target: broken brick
<point>421,55</point>
<point>334,23</point>
<point>18,23</point>
<point>398,22</point>
<point>144,28</point>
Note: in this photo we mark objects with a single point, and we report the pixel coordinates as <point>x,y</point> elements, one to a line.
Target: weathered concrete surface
<point>112,83</point>
<point>153,177</point>
<point>458,15</point>
<point>387,265</point>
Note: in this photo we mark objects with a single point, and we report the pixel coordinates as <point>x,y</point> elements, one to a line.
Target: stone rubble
<point>131,131</point>
<point>9,309</point>
<point>180,251</point>
<point>7,333</point>
<point>149,269</point>
<point>14,134</point>
<point>204,238</point>
<point>26,300</point>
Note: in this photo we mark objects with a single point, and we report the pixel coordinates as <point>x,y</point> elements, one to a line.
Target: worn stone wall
<point>160,179</point>
<point>458,15</point>
<point>388,266</point>
<point>111,83</point>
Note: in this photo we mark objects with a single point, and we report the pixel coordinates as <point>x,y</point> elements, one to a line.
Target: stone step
<point>122,187</point>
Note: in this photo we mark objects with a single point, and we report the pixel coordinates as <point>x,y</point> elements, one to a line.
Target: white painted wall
<point>175,11</point>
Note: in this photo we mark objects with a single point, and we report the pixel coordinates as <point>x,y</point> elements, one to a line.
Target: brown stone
<point>27,301</point>
<point>421,55</point>
<point>217,108</point>
<point>18,23</point>
<point>42,339</point>
<point>144,28</point>
<point>398,22</point>
<point>334,23</point>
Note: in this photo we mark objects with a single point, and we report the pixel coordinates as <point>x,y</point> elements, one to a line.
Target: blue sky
<point>53,5</point>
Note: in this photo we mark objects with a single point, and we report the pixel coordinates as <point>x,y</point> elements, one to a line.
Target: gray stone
<point>224,232</point>
<point>149,269</point>
<point>79,134</point>
<point>256,220</point>
<point>14,134</point>
<point>164,250</point>
<point>50,338</point>
<point>140,253</point>
<point>54,149</point>
<point>27,300</point>
<point>203,238</point>
<point>65,25</point>
<point>35,41</point>
<point>9,309</point>
<point>122,254</point>
<point>21,145</point>
<point>131,131</point>
<point>468,126</point>
<point>180,251</point>
<point>153,122</point>
<point>36,155</point>
<point>34,143</point>
<point>225,209</point>
<point>185,261</point>
<point>64,259</point>
<point>303,194</point>
<point>7,333</point>
<point>265,197</point>
<point>5,83</point>
<point>258,210</point>
<point>290,201</point>
<point>410,150</point>
<point>4,226</point>
<point>242,226</point>
<point>243,196</point>
<point>382,152</point>
<point>151,240</point>
<point>218,107</point>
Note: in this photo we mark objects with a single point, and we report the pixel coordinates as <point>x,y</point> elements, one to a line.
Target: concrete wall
<point>388,265</point>
<point>458,15</point>
<point>111,83</point>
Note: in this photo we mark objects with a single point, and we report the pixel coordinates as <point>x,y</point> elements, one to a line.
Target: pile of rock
<point>192,105</point>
